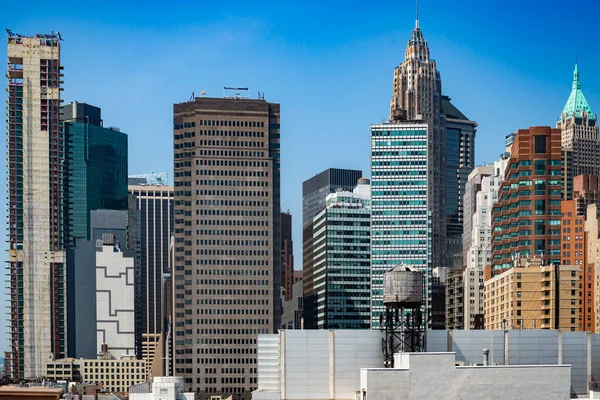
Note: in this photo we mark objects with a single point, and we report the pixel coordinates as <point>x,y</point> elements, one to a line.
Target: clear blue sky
<point>506,64</point>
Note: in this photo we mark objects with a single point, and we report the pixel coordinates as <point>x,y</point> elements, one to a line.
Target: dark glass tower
<point>460,156</point>
<point>314,192</point>
<point>315,189</point>
<point>96,174</point>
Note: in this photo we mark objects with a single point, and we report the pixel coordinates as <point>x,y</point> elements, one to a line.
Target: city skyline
<point>539,100</point>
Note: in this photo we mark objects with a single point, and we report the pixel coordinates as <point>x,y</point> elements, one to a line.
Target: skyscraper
<point>460,159</point>
<point>314,192</point>
<point>287,255</point>
<point>417,95</point>
<point>400,218</point>
<point>341,259</point>
<point>580,141</point>
<point>96,175</point>
<point>315,189</point>
<point>35,168</point>
<point>478,248</point>
<point>526,218</point>
<point>227,240</point>
<point>155,203</point>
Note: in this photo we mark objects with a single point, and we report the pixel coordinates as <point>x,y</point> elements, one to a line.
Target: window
<point>540,167</point>
<point>540,144</point>
<point>540,207</point>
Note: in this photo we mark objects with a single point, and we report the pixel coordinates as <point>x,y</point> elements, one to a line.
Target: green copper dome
<point>577,104</point>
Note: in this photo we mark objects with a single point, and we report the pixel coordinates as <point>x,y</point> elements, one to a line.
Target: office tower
<point>460,159</point>
<point>227,240</point>
<point>287,255</point>
<point>115,299</point>
<point>533,295</point>
<point>417,96</point>
<point>154,202</point>
<point>96,175</point>
<point>400,219</point>
<point>35,168</point>
<point>575,252</point>
<point>526,217</point>
<point>315,189</point>
<point>314,192</point>
<point>81,280</point>
<point>310,298</point>
<point>580,141</point>
<point>341,259</point>
<point>293,309</point>
<point>486,182</point>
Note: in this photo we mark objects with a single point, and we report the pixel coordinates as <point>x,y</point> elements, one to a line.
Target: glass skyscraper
<point>400,223</point>
<point>460,158</point>
<point>96,163</point>
<point>341,260</point>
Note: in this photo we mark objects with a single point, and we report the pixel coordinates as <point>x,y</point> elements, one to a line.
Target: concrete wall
<point>434,376</point>
<point>581,350</point>
<point>81,300</point>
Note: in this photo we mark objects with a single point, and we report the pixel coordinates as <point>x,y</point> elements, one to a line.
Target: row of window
<point>220,172</point>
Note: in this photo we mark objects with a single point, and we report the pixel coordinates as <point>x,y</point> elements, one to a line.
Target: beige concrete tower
<point>36,259</point>
<point>226,273</point>
<point>417,95</point>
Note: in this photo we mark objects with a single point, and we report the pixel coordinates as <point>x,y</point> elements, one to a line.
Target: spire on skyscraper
<point>577,104</point>
<point>417,20</point>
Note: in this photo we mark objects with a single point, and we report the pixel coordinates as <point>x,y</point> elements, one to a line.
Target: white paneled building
<point>478,251</point>
<point>315,364</point>
<point>115,299</point>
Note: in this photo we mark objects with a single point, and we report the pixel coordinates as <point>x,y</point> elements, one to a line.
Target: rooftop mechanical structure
<point>403,323</point>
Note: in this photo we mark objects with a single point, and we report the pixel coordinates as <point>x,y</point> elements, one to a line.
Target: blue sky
<point>330,64</point>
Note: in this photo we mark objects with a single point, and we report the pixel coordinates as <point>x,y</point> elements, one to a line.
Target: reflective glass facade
<point>341,258</point>
<point>97,174</point>
<point>316,189</point>
<point>400,226</point>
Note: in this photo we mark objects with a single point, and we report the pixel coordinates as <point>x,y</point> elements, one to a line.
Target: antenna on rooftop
<point>192,96</point>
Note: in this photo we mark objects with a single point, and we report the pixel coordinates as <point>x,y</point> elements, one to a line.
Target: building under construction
<point>36,152</point>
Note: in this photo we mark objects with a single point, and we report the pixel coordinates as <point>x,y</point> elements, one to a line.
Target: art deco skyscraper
<point>36,154</point>
<point>417,96</point>
<point>579,132</point>
<point>226,273</point>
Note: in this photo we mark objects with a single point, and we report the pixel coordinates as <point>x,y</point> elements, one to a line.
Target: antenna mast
<point>417,12</point>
